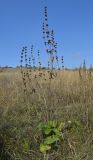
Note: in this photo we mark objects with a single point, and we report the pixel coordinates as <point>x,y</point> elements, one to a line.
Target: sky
<point>21,25</point>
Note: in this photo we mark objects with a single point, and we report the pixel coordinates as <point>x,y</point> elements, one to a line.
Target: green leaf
<point>44,148</point>
<point>52,124</point>
<point>57,132</point>
<point>47,130</point>
<point>51,139</point>
<point>48,127</point>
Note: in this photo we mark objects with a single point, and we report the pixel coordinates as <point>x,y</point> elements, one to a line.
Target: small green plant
<point>52,134</point>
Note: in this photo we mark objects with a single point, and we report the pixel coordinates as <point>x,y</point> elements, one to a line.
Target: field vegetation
<point>68,101</point>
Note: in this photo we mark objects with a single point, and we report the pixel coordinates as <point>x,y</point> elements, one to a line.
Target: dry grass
<point>69,98</point>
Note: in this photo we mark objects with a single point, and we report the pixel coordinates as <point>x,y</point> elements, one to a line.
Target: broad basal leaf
<point>51,139</point>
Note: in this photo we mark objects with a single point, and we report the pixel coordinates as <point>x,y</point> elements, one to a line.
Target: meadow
<point>67,98</point>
